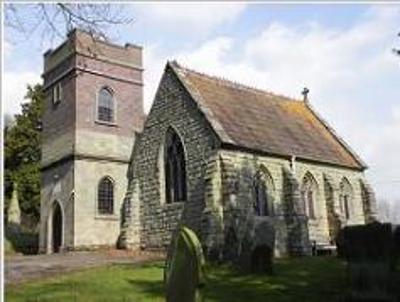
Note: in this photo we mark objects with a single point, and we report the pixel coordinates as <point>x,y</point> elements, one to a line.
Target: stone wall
<point>174,108</point>
<point>103,145</point>
<point>219,205</point>
<point>319,229</point>
<point>126,85</point>
<point>91,228</point>
<point>232,211</point>
<point>240,167</point>
<point>73,137</point>
<point>57,186</point>
<point>58,120</point>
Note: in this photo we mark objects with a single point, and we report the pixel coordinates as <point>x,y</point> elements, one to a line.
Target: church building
<point>242,167</point>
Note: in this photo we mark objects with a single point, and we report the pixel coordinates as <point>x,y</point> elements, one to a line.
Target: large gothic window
<point>175,170</point>
<point>346,193</point>
<point>105,196</point>
<point>105,109</point>
<point>309,194</point>
<point>262,194</point>
<point>260,198</point>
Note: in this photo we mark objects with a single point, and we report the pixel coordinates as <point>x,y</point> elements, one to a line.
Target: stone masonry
<point>219,181</point>
<point>79,149</point>
<point>172,108</point>
<point>233,138</point>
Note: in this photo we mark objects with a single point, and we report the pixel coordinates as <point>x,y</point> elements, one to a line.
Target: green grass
<point>303,279</point>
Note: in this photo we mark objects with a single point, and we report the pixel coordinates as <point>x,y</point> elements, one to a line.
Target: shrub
<point>21,240</point>
<point>8,247</point>
<point>370,251</point>
<point>368,242</point>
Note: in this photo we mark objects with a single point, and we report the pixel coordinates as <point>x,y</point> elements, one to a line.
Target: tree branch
<point>59,18</point>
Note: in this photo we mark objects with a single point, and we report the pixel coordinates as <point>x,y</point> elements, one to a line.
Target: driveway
<point>23,268</point>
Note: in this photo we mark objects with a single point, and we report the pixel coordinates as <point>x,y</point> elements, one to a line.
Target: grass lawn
<point>303,279</point>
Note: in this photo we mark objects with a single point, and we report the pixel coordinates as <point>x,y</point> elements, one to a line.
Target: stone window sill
<point>313,221</point>
<point>176,204</point>
<point>107,217</point>
<point>264,217</point>
<point>110,124</point>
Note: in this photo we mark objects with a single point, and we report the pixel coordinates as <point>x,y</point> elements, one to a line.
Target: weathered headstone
<point>184,270</point>
<point>14,211</point>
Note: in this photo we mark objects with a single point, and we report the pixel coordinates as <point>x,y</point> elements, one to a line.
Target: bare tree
<point>389,211</point>
<point>57,19</point>
<point>383,210</point>
<point>396,211</point>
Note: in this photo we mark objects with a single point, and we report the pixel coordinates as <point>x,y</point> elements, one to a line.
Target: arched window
<point>105,106</point>
<point>309,194</point>
<point>175,169</point>
<point>262,203</point>
<point>346,193</point>
<point>105,196</point>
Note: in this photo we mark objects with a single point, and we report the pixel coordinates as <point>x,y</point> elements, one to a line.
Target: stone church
<point>244,168</point>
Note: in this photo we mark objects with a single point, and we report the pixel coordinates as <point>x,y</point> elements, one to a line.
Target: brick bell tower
<point>93,107</point>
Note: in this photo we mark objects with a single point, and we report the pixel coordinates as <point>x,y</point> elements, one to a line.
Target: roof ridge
<point>336,136</point>
<point>232,83</point>
<point>299,138</point>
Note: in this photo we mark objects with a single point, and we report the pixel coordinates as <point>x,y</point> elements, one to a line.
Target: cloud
<point>154,63</point>
<point>155,60</point>
<point>352,74</point>
<point>196,18</point>
<point>15,88</point>
<point>385,162</point>
<point>7,48</point>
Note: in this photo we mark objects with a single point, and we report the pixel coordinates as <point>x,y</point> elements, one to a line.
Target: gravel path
<point>20,268</point>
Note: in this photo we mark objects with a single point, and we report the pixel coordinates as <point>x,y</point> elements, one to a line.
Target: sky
<point>341,52</point>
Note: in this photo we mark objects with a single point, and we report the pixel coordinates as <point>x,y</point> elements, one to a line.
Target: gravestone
<point>184,270</point>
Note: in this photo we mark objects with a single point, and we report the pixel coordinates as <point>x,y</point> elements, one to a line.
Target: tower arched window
<point>309,195</point>
<point>106,106</point>
<point>175,168</point>
<point>105,196</point>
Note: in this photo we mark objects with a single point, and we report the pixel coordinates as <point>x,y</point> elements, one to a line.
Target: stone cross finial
<point>305,94</point>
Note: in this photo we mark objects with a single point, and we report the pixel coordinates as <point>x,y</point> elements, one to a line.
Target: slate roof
<point>261,121</point>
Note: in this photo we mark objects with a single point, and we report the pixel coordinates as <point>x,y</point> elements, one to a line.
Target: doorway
<point>261,259</point>
<point>57,227</point>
